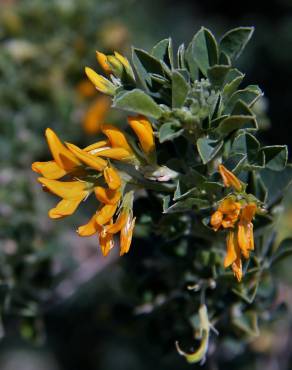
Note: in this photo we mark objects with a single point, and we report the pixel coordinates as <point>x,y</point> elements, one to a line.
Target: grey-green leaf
<point>208,148</point>
<point>234,41</point>
<point>276,157</point>
<point>169,131</point>
<point>204,50</point>
<point>138,101</point>
<point>180,89</point>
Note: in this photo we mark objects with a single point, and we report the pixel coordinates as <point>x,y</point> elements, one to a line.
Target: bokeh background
<point>64,307</point>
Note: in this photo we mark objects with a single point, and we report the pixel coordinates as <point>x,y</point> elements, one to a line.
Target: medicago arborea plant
<point>189,146</point>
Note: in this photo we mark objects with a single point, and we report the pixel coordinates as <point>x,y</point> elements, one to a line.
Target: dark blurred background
<point>68,308</point>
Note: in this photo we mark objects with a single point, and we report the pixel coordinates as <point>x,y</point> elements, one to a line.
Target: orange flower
<point>239,241</point>
<point>143,129</point>
<point>95,115</point>
<point>226,215</point>
<point>245,229</point>
<point>116,137</point>
<point>101,83</point>
<point>229,178</point>
<point>112,178</point>
<point>88,159</point>
<point>127,233</point>
<point>63,163</point>
<point>72,192</point>
<point>233,255</point>
<point>107,196</point>
<point>103,62</point>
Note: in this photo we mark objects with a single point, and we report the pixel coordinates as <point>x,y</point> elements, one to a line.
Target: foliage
<point>196,152</point>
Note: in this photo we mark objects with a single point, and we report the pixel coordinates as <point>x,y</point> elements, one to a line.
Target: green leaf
<point>217,74</point>
<point>191,64</point>
<point>249,95</point>
<point>204,50</point>
<point>234,41</point>
<point>138,101</point>
<point>224,59</point>
<point>236,122</point>
<point>232,80</point>
<point>276,157</point>
<point>284,250</point>
<point>208,148</point>
<point>170,131</point>
<point>188,204</point>
<point>245,143</point>
<point>149,62</point>
<point>163,51</point>
<point>180,90</point>
<point>181,56</point>
<point>276,182</point>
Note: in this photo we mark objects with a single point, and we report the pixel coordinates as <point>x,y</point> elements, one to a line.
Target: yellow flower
<point>116,137</point>
<point>233,255</point>
<point>245,229</point>
<point>103,62</point>
<point>90,228</point>
<point>226,215</point>
<point>143,129</point>
<point>99,144</point>
<point>95,115</point>
<point>107,196</point>
<point>237,216</point>
<point>119,154</point>
<point>127,233</point>
<point>88,159</point>
<point>63,163</point>
<point>72,192</point>
<point>112,178</point>
<point>49,169</point>
<point>229,178</point>
<point>106,243</point>
<point>101,83</point>
<point>105,214</point>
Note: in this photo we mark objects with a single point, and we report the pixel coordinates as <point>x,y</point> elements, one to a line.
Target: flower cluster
<point>94,170</point>
<point>235,213</point>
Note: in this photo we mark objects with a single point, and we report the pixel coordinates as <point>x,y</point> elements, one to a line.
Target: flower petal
<point>116,137</point>
<point>63,157</point>
<point>143,129</point>
<point>112,178</point>
<point>90,228</point>
<point>65,189</point>
<point>107,196</point>
<point>232,249</point>
<point>229,178</point>
<point>49,169</point>
<point>65,208</point>
<point>90,160</point>
<point>105,214</point>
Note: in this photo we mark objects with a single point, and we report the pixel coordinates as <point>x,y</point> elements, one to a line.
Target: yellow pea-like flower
<point>101,83</point>
<point>117,137</point>
<point>229,178</point>
<point>49,169</point>
<point>88,159</point>
<point>143,129</point>
<point>62,156</point>
<point>107,196</point>
<point>103,62</point>
<point>112,178</point>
